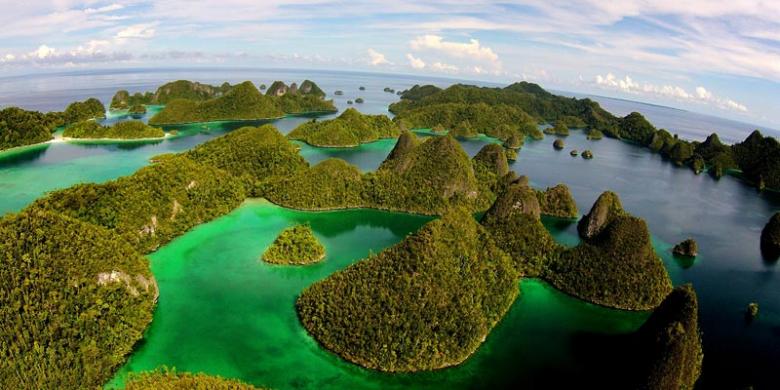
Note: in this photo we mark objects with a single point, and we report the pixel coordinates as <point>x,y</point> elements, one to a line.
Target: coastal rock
<point>558,144</point>
<point>277,88</point>
<point>770,238</point>
<point>752,311</point>
<point>574,153</point>
<point>686,248</point>
<point>606,208</point>
<point>587,154</point>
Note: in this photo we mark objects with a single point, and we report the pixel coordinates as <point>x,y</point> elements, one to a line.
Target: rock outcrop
<point>606,208</point>
<point>687,248</point>
<point>770,238</point>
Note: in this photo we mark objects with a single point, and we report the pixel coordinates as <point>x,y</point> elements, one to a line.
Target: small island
<point>752,311</point>
<point>172,380</point>
<point>125,130</point>
<point>349,129</point>
<point>296,245</point>
<point>558,144</point>
<point>687,248</point>
<point>359,100</point>
<point>770,238</point>
<point>574,153</point>
<point>560,129</point>
<point>587,154</point>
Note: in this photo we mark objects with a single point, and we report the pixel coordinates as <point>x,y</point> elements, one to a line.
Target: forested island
<point>125,130</point>
<point>520,107</point>
<point>189,102</point>
<point>295,245</point>
<point>349,129</point>
<point>171,380</point>
<point>427,302</point>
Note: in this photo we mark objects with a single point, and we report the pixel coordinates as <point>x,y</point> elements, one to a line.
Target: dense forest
<point>81,111</point>
<point>120,130</point>
<point>351,128</point>
<point>171,380</point>
<point>295,245</point>
<point>74,300</point>
<point>241,102</point>
<point>180,89</point>
<point>425,303</point>
<point>20,127</point>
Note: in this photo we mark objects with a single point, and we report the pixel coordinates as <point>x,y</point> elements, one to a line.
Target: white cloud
<point>136,31</point>
<point>473,49</point>
<point>445,68</point>
<point>42,52</point>
<point>104,9</point>
<point>701,94</point>
<point>377,58</point>
<point>416,63</point>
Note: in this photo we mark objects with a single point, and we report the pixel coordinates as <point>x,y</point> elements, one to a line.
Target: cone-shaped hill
<point>425,303</point>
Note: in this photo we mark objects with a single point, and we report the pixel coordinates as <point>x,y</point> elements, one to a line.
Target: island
<point>349,129</point>
<point>687,248</point>
<point>587,154</point>
<point>359,100</point>
<point>770,238</point>
<point>560,129</point>
<point>171,380</point>
<point>296,245</point>
<point>125,130</point>
<point>189,102</point>
<point>443,288</point>
<point>440,290</point>
<point>20,127</point>
<point>574,153</point>
<point>137,110</point>
<point>81,111</point>
<point>558,144</point>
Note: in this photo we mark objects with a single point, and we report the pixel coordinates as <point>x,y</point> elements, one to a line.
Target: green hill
<point>74,300</point>
<point>295,245</point>
<point>351,128</point>
<point>20,127</point>
<point>121,130</point>
<point>423,304</point>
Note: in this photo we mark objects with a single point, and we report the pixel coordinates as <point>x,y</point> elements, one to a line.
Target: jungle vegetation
<point>425,303</point>
<point>171,380</point>
<point>81,111</point>
<point>295,245</point>
<point>20,127</point>
<point>351,128</point>
<point>120,130</point>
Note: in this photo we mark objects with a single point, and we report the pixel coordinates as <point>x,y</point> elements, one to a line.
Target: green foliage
<point>634,127</point>
<point>20,127</point>
<point>425,303</point>
<point>617,267</point>
<point>309,87</point>
<point>418,92</point>
<point>123,100</point>
<point>138,109</point>
<point>74,300</point>
<point>770,238</point>
<point>559,129</point>
<point>759,159</point>
<point>120,130</point>
<point>467,120</point>
<point>528,98</point>
<point>254,154</point>
<point>154,205</point>
<point>515,141</point>
<point>351,128</point>
<point>572,121</point>
<point>595,134</point>
<point>81,111</point>
<point>670,344</point>
<point>558,202</point>
<point>170,380</point>
<point>243,102</point>
<point>331,184</point>
<point>295,245</point>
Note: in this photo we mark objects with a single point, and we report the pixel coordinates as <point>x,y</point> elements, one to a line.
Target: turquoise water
<point>724,216</point>
<point>224,311</point>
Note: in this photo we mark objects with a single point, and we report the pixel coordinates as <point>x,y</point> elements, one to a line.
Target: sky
<point>711,56</point>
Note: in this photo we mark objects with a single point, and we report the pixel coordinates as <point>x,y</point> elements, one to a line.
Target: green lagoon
<point>222,310</point>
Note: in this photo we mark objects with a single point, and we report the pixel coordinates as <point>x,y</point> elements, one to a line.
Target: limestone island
<point>587,154</point>
<point>190,102</point>
<point>560,129</point>
<point>125,130</point>
<point>770,238</point>
<point>296,245</point>
<point>558,144</point>
<point>349,129</point>
<point>752,311</point>
<point>687,248</point>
